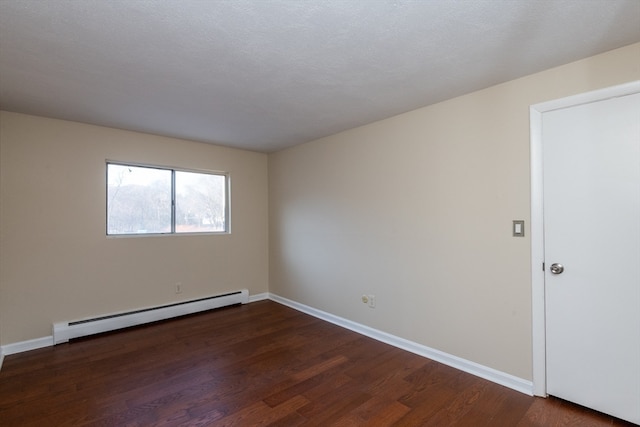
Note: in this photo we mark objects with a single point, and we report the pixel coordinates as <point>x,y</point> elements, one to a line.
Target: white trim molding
<point>537,258</point>
<point>490,374</point>
<point>537,218</point>
<point>28,345</point>
<point>259,297</point>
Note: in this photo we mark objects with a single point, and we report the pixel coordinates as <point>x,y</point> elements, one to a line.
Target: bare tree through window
<point>149,200</point>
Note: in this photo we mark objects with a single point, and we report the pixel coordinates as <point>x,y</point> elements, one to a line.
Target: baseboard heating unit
<point>64,331</point>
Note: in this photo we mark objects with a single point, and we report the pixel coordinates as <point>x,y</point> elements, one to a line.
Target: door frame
<point>538,320</point>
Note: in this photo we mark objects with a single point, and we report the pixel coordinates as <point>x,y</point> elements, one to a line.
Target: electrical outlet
<point>372,301</point>
<point>179,288</point>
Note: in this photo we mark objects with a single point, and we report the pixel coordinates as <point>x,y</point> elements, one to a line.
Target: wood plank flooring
<point>255,365</point>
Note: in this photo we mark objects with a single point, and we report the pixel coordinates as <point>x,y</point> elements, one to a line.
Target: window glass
<point>150,200</point>
<point>200,202</point>
<point>138,200</point>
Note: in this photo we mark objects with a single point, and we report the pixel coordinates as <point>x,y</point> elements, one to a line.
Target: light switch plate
<point>518,228</point>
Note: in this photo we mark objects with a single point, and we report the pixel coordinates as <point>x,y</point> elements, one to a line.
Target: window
<point>155,200</point>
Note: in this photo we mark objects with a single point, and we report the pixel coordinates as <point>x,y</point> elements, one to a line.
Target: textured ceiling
<point>268,74</point>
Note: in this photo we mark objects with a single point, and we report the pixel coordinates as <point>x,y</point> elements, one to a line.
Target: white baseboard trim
<point>490,374</point>
<point>19,347</point>
<point>498,377</point>
<point>259,297</point>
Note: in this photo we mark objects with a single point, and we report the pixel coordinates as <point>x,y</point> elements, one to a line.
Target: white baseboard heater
<point>64,331</point>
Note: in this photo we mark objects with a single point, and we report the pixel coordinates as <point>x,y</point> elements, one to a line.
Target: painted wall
<point>417,210</point>
<point>57,264</point>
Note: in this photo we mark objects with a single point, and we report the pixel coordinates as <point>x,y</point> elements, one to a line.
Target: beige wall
<point>417,210</point>
<point>56,263</point>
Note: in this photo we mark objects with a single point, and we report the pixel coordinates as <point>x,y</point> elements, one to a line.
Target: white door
<point>591,187</point>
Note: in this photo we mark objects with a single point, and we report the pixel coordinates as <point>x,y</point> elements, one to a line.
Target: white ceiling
<point>268,74</point>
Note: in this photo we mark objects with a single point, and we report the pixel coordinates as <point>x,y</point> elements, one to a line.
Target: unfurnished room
<point>319,213</point>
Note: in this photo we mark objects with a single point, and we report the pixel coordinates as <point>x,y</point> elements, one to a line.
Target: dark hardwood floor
<point>257,364</point>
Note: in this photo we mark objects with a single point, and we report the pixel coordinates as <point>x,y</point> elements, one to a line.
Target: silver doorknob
<point>557,268</point>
